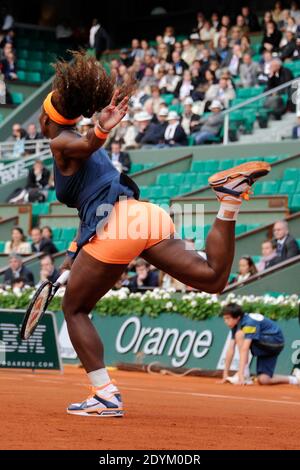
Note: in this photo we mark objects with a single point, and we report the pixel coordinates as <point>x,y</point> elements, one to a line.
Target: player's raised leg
<point>211,275</point>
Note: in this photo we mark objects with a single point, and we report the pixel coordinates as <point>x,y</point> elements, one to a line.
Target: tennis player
<point>86,179</point>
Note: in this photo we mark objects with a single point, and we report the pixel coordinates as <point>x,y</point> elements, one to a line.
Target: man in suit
<point>17,270</point>
<point>286,246</point>
<point>121,160</point>
<point>40,244</point>
<point>48,271</point>
<point>38,176</point>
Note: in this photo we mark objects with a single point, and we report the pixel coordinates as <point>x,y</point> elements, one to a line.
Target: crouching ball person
<point>263,337</point>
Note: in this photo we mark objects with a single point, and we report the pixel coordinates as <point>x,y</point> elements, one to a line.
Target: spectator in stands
<point>125,133</point>
<point>185,86</point>
<point>40,244</point>
<point>48,271</point>
<point>153,103</point>
<point>223,49</point>
<point>174,133</point>
<point>189,119</point>
<point>63,31</point>
<point>287,46</point>
<point>147,130</point>
<point>277,76</point>
<point>121,160</point>
<point>223,92</point>
<point>212,125</point>
<point>32,135</point>
<point>162,124</point>
<point>247,269</point>
<point>189,53</point>
<point>241,24</point>
<point>284,20</point>
<point>233,60</point>
<point>295,11</point>
<point>18,243</point>
<point>169,82</point>
<point>272,38</point>
<point>286,246</point>
<point>8,66</point>
<point>2,90</point>
<point>277,12</point>
<point>249,72</point>
<point>47,233</point>
<point>145,278</point>
<point>250,19</point>
<point>136,51</point>
<point>296,130</point>
<point>179,64</point>
<point>102,41</point>
<point>17,271</point>
<point>169,37</point>
<point>18,137</point>
<point>37,182</point>
<point>265,67</point>
<point>84,125</point>
<point>269,255</point>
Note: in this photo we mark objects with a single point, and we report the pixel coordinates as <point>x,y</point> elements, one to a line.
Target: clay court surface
<point>162,412</point>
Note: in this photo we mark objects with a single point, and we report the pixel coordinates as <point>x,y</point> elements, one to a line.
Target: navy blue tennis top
<point>96,183</point>
<point>259,328</point>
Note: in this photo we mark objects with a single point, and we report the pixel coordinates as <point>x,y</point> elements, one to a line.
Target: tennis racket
<point>39,304</point>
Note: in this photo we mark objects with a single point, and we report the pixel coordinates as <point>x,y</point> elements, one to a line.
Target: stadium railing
<point>295,83</point>
<point>30,146</point>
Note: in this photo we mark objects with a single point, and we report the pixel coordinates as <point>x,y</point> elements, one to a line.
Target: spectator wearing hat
<point>162,124</point>
<point>146,129</point>
<point>121,160</point>
<point>174,133</point>
<point>84,125</point>
<point>211,126</point>
<point>18,271</point>
<point>189,120</point>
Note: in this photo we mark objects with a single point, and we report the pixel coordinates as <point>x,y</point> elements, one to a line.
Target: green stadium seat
<point>56,233</point>
<point>291,174</point>
<point>226,164</point>
<point>256,258</point>
<point>198,166</point>
<point>2,246</point>
<point>36,55</point>
<point>211,166</point>
<point>40,208</point>
<point>163,179</point>
<point>61,245</point>
<point>191,140</point>
<point>239,229</point>
<point>252,227</point>
<point>135,167</point>
<point>298,188</point>
<point>168,98</point>
<point>176,107</point>
<point>21,75</point>
<point>68,234</point>
<point>190,178</point>
<point>17,98</point>
<point>52,196</point>
<point>155,192</point>
<point>176,178</point>
<point>169,191</point>
<point>295,204</point>
<point>145,192</point>
<point>270,187</point>
<point>288,187</point>
<point>184,188</point>
<point>34,66</point>
<point>23,54</point>
<point>34,77</point>
<point>246,93</point>
<point>22,64</point>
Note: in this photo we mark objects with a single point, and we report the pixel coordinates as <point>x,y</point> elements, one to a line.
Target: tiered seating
<point>288,186</point>
<point>169,185</point>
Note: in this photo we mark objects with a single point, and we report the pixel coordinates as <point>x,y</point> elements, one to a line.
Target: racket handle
<point>62,278</point>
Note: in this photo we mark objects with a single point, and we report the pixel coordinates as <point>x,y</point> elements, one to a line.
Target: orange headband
<point>54,115</point>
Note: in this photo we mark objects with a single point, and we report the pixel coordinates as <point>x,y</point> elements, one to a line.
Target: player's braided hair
<point>82,86</point>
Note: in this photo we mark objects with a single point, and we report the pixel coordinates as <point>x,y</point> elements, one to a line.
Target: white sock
<point>293,380</point>
<point>247,371</point>
<point>229,211</point>
<point>99,377</point>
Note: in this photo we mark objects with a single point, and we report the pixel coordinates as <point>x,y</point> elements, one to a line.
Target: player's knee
<point>216,284</point>
<point>263,379</point>
<point>70,309</point>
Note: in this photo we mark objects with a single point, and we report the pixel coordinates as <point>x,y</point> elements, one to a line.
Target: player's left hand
<point>113,113</point>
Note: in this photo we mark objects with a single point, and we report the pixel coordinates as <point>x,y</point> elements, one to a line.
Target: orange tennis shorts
<point>132,227</point>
